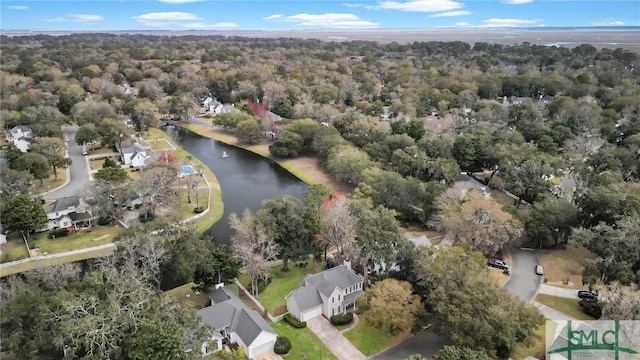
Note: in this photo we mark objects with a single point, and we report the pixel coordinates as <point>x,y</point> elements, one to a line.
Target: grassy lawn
<point>369,339</point>
<point>13,249</point>
<point>304,344</point>
<point>50,183</point>
<point>564,263</point>
<point>537,349</point>
<point>282,283</point>
<point>193,301</point>
<point>96,163</point>
<point>498,276</point>
<point>59,260</point>
<point>433,236</point>
<point>508,205</point>
<point>82,239</point>
<point>217,207</point>
<point>565,305</point>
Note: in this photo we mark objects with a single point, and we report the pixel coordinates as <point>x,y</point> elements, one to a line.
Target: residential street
<point>524,282</point>
<point>78,172</point>
<point>426,343</point>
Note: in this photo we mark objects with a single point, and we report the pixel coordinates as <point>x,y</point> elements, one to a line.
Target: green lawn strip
<point>537,349</point>
<point>59,260</point>
<point>217,207</point>
<point>304,344</point>
<point>369,339</point>
<point>82,239</point>
<point>570,307</point>
<point>14,249</point>
<point>49,183</point>
<point>282,283</point>
<point>193,300</point>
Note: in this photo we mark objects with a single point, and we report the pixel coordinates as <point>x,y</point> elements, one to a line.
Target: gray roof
<point>419,240</point>
<point>352,297</point>
<point>62,204</point>
<point>339,276</point>
<point>20,128</point>
<point>306,297</point>
<point>76,216</point>
<point>228,311</point>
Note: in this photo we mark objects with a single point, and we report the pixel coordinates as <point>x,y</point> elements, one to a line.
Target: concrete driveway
<point>426,343</point>
<point>78,172</point>
<point>559,292</point>
<point>333,339</point>
<point>524,282</point>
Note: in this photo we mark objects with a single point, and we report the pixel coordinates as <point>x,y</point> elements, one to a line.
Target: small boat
<point>225,155</point>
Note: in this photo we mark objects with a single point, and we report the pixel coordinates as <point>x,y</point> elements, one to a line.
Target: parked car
<point>539,270</point>
<point>497,263</point>
<point>587,295</point>
<point>85,152</point>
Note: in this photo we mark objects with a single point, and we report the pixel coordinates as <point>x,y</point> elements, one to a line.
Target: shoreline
<point>305,168</point>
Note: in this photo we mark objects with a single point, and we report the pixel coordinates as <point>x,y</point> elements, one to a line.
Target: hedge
<point>198,209</point>
<point>294,322</point>
<point>58,233</point>
<point>342,319</point>
<point>282,346</point>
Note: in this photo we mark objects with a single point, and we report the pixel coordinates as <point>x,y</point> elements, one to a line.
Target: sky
<point>96,15</point>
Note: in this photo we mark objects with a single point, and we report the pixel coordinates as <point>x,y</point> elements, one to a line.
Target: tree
<point>443,170</point>
<point>482,224</point>
<point>14,182</point>
<point>620,302</point>
<point>86,134</point>
<point>469,151</point>
<point>338,226</point>
<point>182,107</point>
<point>35,163</point>
<point>288,144</point>
<point>283,218</point>
<point>144,114</point>
<point>153,187</point>
<point>70,96</point>
<point>252,247</point>
<point>219,267</point>
<point>23,214</point>
<point>250,131</point>
<point>307,129</point>
<point>462,353</point>
<point>550,222</point>
<point>346,163</point>
<point>231,120</point>
<point>112,174</point>
<point>526,177</point>
<point>157,340</point>
<point>413,128</point>
<point>54,151</point>
<point>91,112</point>
<point>394,308</point>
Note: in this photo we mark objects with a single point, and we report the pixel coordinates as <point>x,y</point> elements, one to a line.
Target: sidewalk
<point>333,339</point>
<point>550,313</point>
<point>558,291</point>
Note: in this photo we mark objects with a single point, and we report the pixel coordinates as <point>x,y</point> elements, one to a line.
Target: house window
<point>338,297</point>
<point>333,300</point>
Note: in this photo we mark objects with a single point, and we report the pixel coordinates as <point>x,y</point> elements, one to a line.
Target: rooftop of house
<point>228,311</point>
<point>419,240</point>
<point>62,204</point>
<point>340,276</point>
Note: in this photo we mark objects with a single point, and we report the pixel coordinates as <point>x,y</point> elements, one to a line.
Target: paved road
<point>426,343</point>
<point>333,339</point>
<point>524,282</point>
<point>79,172</point>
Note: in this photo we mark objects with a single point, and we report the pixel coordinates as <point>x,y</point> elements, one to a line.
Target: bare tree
<point>155,187</point>
<point>252,247</point>
<point>620,302</point>
<point>338,226</point>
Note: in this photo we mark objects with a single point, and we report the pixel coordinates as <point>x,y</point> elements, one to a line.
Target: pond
<point>245,178</point>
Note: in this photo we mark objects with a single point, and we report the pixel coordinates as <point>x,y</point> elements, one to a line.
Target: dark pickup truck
<point>497,263</point>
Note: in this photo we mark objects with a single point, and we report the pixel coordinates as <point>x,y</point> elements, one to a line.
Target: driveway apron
<point>333,339</point>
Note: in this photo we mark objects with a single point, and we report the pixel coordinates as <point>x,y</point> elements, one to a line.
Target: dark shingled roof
<point>306,297</point>
<point>62,204</point>
<point>227,310</point>
<point>315,287</point>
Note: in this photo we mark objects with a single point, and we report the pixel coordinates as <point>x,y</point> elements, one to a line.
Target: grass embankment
<point>568,306</point>
<point>15,269</point>
<point>304,344</point>
<point>49,183</point>
<point>565,263</point>
<point>305,168</point>
<point>371,340</point>
<point>537,349</point>
<point>216,207</point>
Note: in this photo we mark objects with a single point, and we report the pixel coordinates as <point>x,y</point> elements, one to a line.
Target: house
<point>419,240</point>
<point>232,321</point>
<point>331,292</point>
<point>126,89</point>
<point>514,100</point>
<point>68,212</point>
<point>20,136</point>
<point>137,154</point>
<point>545,100</point>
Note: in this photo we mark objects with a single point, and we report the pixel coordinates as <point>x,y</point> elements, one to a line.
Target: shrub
<point>294,322</point>
<point>58,233</point>
<point>104,221</point>
<point>282,346</point>
<point>591,308</point>
<point>198,209</point>
<point>342,319</point>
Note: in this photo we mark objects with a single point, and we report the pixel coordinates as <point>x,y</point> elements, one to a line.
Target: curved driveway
<point>78,172</point>
<point>524,282</point>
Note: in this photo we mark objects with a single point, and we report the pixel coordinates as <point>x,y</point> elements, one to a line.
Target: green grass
<point>15,269</point>
<point>193,301</point>
<point>570,307</point>
<point>537,349</point>
<point>282,283</point>
<point>14,249</point>
<point>49,183</point>
<point>305,345</point>
<point>369,339</point>
<point>97,236</point>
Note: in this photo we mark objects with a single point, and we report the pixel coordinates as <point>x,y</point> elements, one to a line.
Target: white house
<point>138,154</point>
<point>234,322</point>
<point>331,292</point>
<point>67,212</point>
<point>21,137</point>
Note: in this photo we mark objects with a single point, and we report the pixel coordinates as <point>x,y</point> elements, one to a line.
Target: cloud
<point>517,2</point>
<point>451,13</point>
<point>17,7</point>
<point>220,25</point>
<point>330,20</point>
<point>419,5</point>
<point>273,17</point>
<point>178,1</point>
<point>352,5</point>
<point>165,18</point>
<point>609,23</point>
<point>76,18</point>
<point>510,22</point>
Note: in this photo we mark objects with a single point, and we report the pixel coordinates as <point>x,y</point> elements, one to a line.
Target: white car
<point>85,152</point>
<point>539,270</point>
